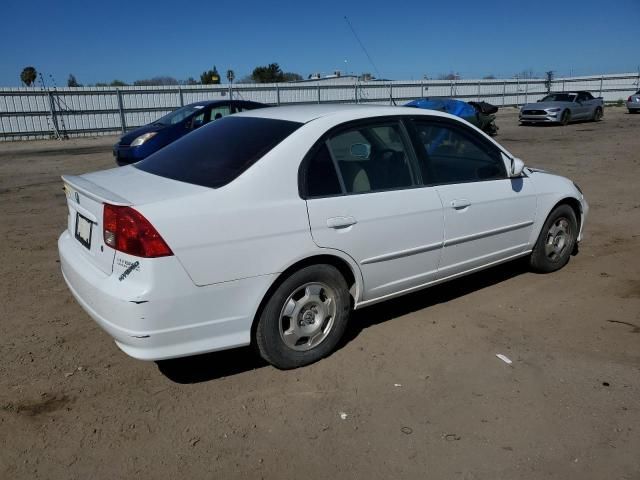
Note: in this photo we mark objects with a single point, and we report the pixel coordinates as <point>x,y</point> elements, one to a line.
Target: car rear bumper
<point>156,312</point>
<point>633,105</point>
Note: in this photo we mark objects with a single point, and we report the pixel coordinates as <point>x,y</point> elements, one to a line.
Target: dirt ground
<point>415,391</point>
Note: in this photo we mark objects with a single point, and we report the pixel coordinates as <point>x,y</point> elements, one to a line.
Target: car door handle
<point>341,222</point>
<point>460,203</point>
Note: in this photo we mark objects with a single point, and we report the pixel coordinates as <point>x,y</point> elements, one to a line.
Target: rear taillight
<point>126,230</point>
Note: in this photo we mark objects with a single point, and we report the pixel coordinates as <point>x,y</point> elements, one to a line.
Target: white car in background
<point>270,226</point>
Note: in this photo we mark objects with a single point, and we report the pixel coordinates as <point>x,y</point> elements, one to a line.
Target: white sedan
<point>268,227</point>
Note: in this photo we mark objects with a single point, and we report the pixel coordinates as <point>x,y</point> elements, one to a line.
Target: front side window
<point>560,97</point>
<point>178,115</point>
<point>198,120</point>
<point>371,158</point>
<point>217,153</point>
<point>451,154</point>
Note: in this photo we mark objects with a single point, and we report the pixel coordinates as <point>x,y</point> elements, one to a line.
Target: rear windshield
<point>215,154</point>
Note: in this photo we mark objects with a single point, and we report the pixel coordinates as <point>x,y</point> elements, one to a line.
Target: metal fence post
<point>504,90</point>
<point>123,125</point>
<point>600,86</point>
<point>478,99</point>
<point>181,97</point>
<point>355,91</point>
<point>422,89</point>
<point>451,94</point>
<point>318,92</point>
<point>517,90</point>
<point>390,94</point>
<point>278,93</point>
<point>526,92</point>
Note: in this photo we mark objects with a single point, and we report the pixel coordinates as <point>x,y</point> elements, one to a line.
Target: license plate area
<point>84,228</point>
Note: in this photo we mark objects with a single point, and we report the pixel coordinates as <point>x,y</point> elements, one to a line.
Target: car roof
<point>307,113</point>
<point>204,103</point>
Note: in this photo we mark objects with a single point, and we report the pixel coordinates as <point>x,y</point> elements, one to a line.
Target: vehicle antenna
<point>375,68</point>
<point>346,19</point>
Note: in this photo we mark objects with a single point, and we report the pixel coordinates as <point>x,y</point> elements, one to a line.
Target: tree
<point>191,81</point>
<point>231,76</point>
<point>489,77</point>
<point>28,76</point>
<point>549,80</point>
<point>271,73</point>
<point>292,77</point>
<point>162,80</point>
<point>210,77</point>
<point>449,76</point>
<point>118,83</point>
<point>72,82</point>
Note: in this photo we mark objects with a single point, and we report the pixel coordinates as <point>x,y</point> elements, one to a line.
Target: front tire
<point>556,242</point>
<point>305,317</point>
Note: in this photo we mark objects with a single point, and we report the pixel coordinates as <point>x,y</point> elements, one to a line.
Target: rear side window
<point>321,177</point>
<point>372,158</point>
<point>217,153</point>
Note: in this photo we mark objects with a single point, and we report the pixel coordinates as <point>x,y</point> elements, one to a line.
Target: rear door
<point>487,216</point>
<point>363,197</point>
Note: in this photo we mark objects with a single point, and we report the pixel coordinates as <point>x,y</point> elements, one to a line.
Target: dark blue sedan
<point>145,140</point>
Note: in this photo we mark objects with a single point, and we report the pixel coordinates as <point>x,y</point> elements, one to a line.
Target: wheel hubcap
<point>558,239</point>
<point>308,316</point>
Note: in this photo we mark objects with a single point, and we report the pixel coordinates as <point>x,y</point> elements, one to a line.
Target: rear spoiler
<point>93,191</point>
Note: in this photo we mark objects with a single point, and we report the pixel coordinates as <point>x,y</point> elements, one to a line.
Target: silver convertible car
<point>633,102</point>
<point>563,108</point>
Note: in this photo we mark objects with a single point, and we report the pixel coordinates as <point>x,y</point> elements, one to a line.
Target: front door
<point>363,198</point>
<point>488,217</point>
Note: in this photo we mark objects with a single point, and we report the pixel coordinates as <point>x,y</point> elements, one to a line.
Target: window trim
<point>396,120</point>
<point>487,146</point>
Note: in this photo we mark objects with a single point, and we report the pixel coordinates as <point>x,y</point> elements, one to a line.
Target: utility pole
<point>230,78</point>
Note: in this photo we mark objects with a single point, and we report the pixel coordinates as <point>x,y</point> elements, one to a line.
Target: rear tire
<point>556,242</point>
<point>305,317</point>
<point>565,118</point>
<point>597,115</point>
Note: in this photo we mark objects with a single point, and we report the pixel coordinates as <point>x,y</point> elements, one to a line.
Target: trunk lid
<point>126,186</point>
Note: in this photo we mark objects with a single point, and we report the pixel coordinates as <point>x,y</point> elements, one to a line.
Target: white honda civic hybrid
<point>268,227</point>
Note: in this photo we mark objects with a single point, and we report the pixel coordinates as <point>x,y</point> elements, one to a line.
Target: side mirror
<point>517,166</point>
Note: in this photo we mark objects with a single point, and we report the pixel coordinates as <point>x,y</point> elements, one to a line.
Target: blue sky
<point>101,41</point>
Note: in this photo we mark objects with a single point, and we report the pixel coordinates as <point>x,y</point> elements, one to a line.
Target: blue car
<point>143,141</point>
